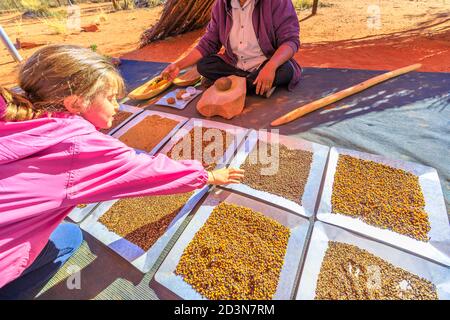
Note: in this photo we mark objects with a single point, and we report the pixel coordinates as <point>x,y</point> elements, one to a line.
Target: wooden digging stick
<point>310,107</point>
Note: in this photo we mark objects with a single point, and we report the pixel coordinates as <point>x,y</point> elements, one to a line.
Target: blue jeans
<point>63,243</point>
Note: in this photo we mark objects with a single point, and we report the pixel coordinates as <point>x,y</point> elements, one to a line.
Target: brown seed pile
<point>148,133</point>
<point>290,179</point>
<point>351,273</point>
<point>81,206</point>
<point>381,196</point>
<point>120,117</point>
<point>215,149</point>
<point>237,254</point>
<point>143,220</point>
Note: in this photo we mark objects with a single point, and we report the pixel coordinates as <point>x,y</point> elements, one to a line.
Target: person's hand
<point>225,176</point>
<point>171,72</point>
<point>265,79</point>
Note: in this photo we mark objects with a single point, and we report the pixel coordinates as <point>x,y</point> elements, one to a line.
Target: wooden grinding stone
<point>225,103</point>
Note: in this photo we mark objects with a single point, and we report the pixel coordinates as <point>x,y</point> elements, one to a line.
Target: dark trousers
<point>63,243</point>
<point>213,67</point>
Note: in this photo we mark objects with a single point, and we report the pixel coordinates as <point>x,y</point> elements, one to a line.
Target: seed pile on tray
<point>146,134</point>
<point>207,152</point>
<point>289,180</point>
<point>351,273</point>
<point>380,195</point>
<point>120,117</point>
<point>81,206</point>
<point>237,254</point>
<point>143,220</point>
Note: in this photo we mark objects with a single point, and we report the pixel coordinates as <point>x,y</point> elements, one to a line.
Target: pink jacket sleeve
<point>103,168</point>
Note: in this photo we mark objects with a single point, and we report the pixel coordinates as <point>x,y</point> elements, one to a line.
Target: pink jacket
<point>50,165</point>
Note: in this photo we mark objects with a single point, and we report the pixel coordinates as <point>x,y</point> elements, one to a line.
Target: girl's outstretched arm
<point>103,168</point>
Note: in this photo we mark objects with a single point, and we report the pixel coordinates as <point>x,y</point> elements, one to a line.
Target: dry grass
<point>307,4</point>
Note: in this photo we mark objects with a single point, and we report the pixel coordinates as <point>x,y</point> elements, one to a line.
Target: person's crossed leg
<point>213,67</point>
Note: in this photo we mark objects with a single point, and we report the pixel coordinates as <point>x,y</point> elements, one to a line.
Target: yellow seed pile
<point>351,273</point>
<point>237,254</point>
<point>380,195</point>
<point>143,220</point>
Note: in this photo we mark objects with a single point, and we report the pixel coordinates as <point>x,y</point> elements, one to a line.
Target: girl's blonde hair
<point>56,72</point>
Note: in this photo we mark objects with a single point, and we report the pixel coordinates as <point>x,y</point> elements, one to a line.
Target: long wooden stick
<point>310,107</point>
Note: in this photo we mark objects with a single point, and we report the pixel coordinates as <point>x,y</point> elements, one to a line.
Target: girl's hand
<point>225,176</point>
<point>171,72</point>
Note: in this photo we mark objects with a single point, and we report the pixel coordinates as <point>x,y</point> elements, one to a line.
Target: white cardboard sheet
<point>438,248</point>
<point>439,275</point>
<point>311,192</point>
<point>78,214</point>
<point>142,260</point>
<point>166,277</point>
<point>179,104</point>
<point>142,116</point>
<point>238,132</point>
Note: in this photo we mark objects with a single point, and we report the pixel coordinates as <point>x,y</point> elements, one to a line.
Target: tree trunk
<point>179,17</point>
<point>315,5</point>
<point>116,5</point>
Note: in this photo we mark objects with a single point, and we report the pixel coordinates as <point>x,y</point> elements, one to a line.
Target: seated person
<point>260,38</point>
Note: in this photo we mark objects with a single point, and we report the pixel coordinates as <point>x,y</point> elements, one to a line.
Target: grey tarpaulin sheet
<point>405,118</point>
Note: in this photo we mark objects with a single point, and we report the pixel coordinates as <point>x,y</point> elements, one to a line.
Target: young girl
<point>52,158</point>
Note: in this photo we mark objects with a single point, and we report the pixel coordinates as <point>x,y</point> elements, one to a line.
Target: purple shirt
<point>275,23</point>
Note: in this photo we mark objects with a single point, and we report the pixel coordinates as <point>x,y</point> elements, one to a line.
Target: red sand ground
<point>338,36</point>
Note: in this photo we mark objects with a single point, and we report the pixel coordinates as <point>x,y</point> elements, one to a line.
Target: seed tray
<point>142,116</point>
<point>142,260</point>
<point>167,283</point>
<point>437,248</point>
<point>238,132</point>
<point>438,274</point>
<point>311,191</point>
<point>78,214</point>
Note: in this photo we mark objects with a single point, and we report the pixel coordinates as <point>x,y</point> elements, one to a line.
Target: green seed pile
<point>143,220</point>
<point>380,195</point>
<point>120,117</point>
<point>217,149</point>
<point>351,273</point>
<point>289,181</point>
<point>237,255</point>
<point>146,134</point>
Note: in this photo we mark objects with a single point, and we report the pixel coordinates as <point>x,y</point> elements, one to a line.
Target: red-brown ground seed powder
<point>148,133</point>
